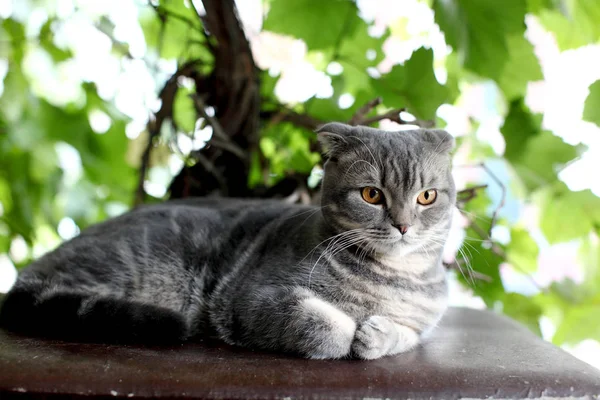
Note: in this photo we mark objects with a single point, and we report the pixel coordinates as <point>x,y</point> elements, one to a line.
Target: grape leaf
<point>360,48</point>
<point>478,31</point>
<point>575,24</point>
<point>567,215</point>
<point>522,250</point>
<point>521,67</point>
<point>523,310</point>
<point>321,24</point>
<point>176,34</point>
<point>535,155</point>
<point>413,85</point>
<point>184,112</point>
<point>579,323</point>
<point>591,111</point>
<point>568,35</point>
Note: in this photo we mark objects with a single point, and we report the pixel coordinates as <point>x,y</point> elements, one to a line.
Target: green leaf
<point>328,110</point>
<point>579,323</point>
<point>14,48</point>
<point>522,251</point>
<point>536,155</point>
<point>180,32</point>
<point>356,47</point>
<point>591,112</point>
<point>536,6</point>
<point>586,13</point>
<point>519,127</point>
<point>478,31</point>
<point>522,66</point>
<point>184,112</point>
<point>47,42</point>
<point>5,196</point>
<point>321,24</point>
<point>574,24</point>
<point>524,310</point>
<point>255,175</point>
<point>479,256</point>
<point>413,85</point>
<point>545,156</point>
<point>568,35</point>
<point>567,215</point>
<point>589,257</point>
<point>484,261</point>
<point>287,149</point>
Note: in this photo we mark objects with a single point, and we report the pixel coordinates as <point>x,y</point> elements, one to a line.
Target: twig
<point>210,167</point>
<point>394,115</point>
<point>200,106</point>
<point>167,96</point>
<point>499,183</point>
<point>163,12</point>
<point>502,199</point>
<point>203,31</point>
<point>284,114</point>
<point>487,235</point>
<point>122,47</point>
<point>359,115</point>
<point>499,251</point>
<point>220,138</point>
<point>469,193</point>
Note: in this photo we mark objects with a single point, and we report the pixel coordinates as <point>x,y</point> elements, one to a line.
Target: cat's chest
<point>413,291</point>
<point>407,264</point>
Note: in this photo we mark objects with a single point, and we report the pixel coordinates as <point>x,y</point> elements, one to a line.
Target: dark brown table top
<point>473,354</point>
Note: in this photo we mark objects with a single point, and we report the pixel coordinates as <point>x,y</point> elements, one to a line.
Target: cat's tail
<point>81,317</point>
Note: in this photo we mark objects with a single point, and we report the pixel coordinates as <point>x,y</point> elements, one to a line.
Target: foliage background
<point>517,83</point>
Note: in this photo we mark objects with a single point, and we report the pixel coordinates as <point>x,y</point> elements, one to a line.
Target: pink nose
<point>402,228</point>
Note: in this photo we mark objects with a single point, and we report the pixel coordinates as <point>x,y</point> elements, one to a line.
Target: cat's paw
<point>327,331</point>
<point>374,338</point>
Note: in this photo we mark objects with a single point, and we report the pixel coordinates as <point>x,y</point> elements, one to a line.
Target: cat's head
<point>394,190</point>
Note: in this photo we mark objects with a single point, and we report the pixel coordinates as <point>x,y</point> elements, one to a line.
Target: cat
<point>361,276</point>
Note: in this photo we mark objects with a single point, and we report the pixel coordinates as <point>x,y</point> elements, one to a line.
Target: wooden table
<point>473,354</point>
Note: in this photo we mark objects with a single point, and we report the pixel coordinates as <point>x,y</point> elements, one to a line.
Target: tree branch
<point>167,96</point>
<point>219,138</point>
<point>359,118</point>
<point>502,199</point>
<point>163,13</point>
<point>468,194</point>
<point>359,115</point>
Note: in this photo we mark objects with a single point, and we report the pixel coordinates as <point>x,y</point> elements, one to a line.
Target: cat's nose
<point>402,228</point>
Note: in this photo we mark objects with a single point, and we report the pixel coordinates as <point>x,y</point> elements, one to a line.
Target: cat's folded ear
<point>333,137</point>
<point>440,140</point>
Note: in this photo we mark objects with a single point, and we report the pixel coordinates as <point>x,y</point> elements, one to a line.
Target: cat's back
<point>194,216</point>
<point>176,235</point>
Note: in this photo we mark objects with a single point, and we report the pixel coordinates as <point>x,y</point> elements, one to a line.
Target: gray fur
<point>324,282</point>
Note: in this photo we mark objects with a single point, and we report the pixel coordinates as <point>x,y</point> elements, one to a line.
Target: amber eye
<point>372,195</point>
<point>427,197</point>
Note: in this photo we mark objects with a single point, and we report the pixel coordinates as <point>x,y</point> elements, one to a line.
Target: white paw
<point>334,330</point>
<point>407,340</point>
<point>374,338</point>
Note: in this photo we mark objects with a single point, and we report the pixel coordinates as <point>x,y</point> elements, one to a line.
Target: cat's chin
<point>395,248</point>
<point>400,247</point>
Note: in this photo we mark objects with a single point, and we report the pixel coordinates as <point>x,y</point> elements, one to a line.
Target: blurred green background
<point>516,82</point>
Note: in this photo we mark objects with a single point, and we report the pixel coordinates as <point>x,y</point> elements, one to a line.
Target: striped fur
<point>323,282</point>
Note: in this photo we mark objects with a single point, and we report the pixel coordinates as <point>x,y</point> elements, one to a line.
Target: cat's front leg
<point>323,330</point>
<point>294,320</point>
<point>378,336</point>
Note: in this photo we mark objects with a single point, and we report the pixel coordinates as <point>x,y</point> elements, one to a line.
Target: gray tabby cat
<point>360,276</point>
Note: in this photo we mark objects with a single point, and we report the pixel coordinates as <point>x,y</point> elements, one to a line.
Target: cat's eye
<point>427,197</point>
<point>372,195</point>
